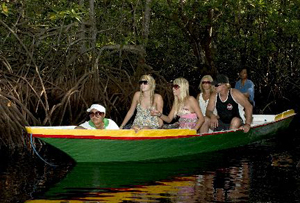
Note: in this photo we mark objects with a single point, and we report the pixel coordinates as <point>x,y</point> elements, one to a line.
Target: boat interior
<point>258,119</point>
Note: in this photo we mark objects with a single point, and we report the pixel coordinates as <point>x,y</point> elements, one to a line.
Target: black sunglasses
<point>206,82</point>
<point>145,82</point>
<point>217,85</point>
<point>97,114</point>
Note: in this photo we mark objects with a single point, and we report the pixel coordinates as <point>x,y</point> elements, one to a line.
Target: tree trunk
<point>93,30</point>
<point>82,32</point>
<point>146,21</point>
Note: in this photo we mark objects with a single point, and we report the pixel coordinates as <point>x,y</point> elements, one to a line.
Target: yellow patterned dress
<point>143,118</point>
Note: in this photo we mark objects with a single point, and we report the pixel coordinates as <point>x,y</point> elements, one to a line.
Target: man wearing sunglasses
<point>228,102</point>
<point>97,119</point>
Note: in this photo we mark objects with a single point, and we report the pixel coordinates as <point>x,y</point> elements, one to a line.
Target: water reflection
<point>155,182</point>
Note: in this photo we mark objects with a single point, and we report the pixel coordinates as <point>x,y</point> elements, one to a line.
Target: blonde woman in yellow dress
<point>143,102</point>
<point>184,106</point>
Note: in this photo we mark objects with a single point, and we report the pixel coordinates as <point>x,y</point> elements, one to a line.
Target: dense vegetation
<point>57,57</point>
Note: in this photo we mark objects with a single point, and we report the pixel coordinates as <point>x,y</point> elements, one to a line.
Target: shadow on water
<point>23,174</point>
<point>101,177</point>
<point>263,172</point>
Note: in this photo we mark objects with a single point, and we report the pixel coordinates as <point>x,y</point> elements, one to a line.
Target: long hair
<point>151,83</point>
<point>210,79</point>
<point>184,94</point>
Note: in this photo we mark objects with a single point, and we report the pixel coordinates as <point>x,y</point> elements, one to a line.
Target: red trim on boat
<point>110,138</point>
<point>145,138</point>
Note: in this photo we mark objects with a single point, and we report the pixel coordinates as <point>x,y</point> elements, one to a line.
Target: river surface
<point>261,172</point>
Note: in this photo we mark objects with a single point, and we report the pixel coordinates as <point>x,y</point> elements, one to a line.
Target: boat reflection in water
<point>154,182</point>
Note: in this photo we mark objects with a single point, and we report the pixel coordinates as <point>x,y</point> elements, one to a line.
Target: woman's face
<point>206,84</point>
<point>243,74</point>
<point>176,89</point>
<point>144,85</point>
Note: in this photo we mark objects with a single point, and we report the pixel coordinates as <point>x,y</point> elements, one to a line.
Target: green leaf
<point>4,9</point>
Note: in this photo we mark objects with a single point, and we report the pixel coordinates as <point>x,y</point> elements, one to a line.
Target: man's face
<point>96,116</point>
<point>218,87</point>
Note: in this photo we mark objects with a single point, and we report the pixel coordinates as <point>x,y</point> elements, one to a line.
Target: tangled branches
<point>68,96</point>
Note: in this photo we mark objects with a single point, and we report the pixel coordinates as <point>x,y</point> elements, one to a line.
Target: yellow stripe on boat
<point>284,114</point>
<point>111,133</point>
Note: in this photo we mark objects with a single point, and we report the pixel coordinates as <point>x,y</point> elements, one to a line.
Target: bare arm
<point>242,100</point>
<point>79,127</point>
<point>251,91</point>
<point>159,107</point>
<point>196,108</point>
<point>210,111</point>
<point>211,106</point>
<point>246,94</point>
<point>198,97</point>
<point>131,110</point>
<point>170,117</point>
<point>165,118</point>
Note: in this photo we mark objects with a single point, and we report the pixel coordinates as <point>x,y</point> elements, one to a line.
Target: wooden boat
<point>147,145</point>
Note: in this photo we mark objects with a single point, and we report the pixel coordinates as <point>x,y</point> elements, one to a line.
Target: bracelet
<point>159,115</point>
<point>248,124</point>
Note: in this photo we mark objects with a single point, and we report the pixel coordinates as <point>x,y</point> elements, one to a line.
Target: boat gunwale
<point>94,137</point>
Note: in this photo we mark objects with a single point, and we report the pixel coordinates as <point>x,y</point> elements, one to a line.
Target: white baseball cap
<point>97,107</point>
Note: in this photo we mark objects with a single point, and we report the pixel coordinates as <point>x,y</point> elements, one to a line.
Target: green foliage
<point>4,9</point>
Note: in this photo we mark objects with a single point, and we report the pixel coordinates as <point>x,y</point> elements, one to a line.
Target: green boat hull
<point>130,150</point>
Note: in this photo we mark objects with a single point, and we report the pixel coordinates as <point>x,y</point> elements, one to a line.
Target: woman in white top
<point>206,88</point>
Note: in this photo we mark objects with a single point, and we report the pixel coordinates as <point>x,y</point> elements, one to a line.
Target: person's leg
<point>235,123</point>
<point>222,126</point>
<point>205,126</point>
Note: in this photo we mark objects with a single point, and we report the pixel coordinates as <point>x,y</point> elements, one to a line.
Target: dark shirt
<point>228,109</point>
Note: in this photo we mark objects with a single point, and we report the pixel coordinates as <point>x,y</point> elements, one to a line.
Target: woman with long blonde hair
<point>184,106</point>
<point>143,102</point>
<point>206,89</point>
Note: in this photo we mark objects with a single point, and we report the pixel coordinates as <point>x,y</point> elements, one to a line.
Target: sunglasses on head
<point>175,86</point>
<point>206,82</point>
<point>97,114</point>
<point>145,82</point>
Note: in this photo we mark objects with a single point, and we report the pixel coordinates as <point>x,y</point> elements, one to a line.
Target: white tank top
<point>203,105</point>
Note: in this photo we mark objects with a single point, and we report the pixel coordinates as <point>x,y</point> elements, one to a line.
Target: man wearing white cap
<point>97,119</point>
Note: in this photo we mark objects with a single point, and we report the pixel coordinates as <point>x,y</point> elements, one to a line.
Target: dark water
<point>263,172</point>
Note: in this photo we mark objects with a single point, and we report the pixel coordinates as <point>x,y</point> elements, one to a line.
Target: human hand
<point>246,128</point>
<point>214,123</point>
<point>136,128</point>
<point>154,112</point>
